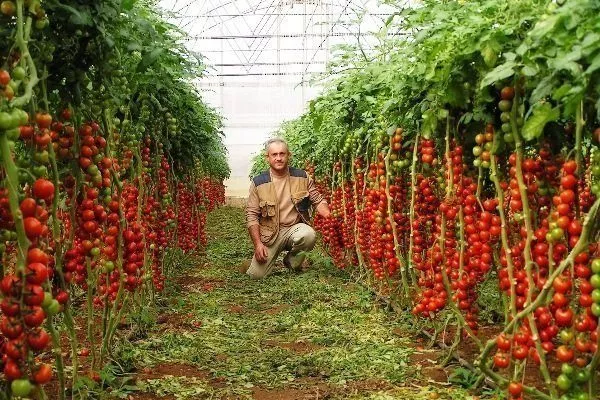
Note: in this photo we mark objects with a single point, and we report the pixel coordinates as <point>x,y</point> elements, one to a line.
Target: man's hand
<point>323,210</point>
<point>261,253</point>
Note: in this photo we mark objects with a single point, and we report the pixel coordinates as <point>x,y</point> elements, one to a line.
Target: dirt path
<point>292,336</point>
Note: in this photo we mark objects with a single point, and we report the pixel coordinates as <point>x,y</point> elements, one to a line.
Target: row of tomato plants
<point>448,175</point>
<point>431,234</point>
<point>90,205</point>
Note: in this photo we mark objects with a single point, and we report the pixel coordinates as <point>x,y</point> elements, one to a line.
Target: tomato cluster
<point>517,218</point>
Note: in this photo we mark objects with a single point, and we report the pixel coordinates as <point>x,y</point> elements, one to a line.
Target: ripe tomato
<point>564,353</point>
<point>11,327</point>
<point>501,360</point>
<point>37,273</point>
<point>34,317</point>
<point>28,207</point>
<point>38,339</point>
<point>570,167</point>
<point>515,389</point>
<point>564,317</point>
<point>33,227</point>
<point>43,189</point>
<point>43,120</point>
<point>561,284</point>
<point>43,374</point>
<point>520,352</point>
<point>34,295</point>
<point>35,255</point>
<point>12,370</point>
<point>10,307</point>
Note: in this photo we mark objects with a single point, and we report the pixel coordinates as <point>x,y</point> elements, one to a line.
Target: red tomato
<point>33,227</point>
<point>501,360</point>
<point>515,389</point>
<point>38,339</point>
<point>43,189</point>
<point>43,120</point>
<point>43,374</point>
<point>564,354</point>
<point>564,317</point>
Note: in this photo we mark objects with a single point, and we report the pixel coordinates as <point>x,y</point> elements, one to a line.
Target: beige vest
<point>268,220</point>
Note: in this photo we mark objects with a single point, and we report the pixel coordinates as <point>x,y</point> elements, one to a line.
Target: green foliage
<point>452,56</point>
<point>121,56</point>
<point>287,331</point>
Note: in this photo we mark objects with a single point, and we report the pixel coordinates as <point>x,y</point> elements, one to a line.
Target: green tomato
<point>595,281</point>
<point>40,171</point>
<point>557,234</point>
<point>563,382</point>
<point>53,308</point>
<point>92,169</point>
<point>7,121</point>
<point>567,336</point>
<point>485,164</point>
<point>583,375</point>
<point>567,369</point>
<point>41,23</point>
<point>505,105</point>
<point>21,387</point>
<point>477,150</point>
<point>518,217</point>
<point>596,265</point>
<point>13,134</point>
<point>595,309</point>
<point>18,73</point>
<point>95,251</point>
<point>596,295</point>
<point>476,162</point>
<point>42,157</point>
<point>506,128</point>
<point>505,117</point>
<point>22,116</point>
<point>581,396</point>
<point>109,266</point>
<point>47,299</point>
<point>509,138</point>
<point>596,170</point>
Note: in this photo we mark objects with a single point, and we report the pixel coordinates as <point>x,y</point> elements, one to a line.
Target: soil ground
<point>311,335</point>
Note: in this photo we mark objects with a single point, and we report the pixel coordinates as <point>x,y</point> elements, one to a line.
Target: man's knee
<point>305,238</point>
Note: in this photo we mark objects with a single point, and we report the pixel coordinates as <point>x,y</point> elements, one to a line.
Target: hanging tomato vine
<point>106,150</point>
<point>465,157</point>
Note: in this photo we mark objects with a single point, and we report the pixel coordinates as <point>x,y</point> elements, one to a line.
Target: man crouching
<point>278,212</point>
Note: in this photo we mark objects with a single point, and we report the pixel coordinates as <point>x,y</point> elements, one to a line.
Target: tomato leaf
<point>499,73</point>
<point>542,113</point>
<point>149,58</point>
<point>127,4</point>
<point>542,90</point>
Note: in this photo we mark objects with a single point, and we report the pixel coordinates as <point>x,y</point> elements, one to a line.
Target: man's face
<point>278,156</point>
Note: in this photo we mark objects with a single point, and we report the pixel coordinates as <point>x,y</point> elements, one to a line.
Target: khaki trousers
<point>296,239</point>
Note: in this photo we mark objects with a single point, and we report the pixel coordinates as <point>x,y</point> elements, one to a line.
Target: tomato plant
<point>465,156</point>
<point>99,128</point>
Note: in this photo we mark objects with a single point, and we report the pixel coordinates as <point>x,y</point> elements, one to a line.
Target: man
<point>278,212</point>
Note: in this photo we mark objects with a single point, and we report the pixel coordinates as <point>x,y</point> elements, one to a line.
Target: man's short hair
<point>276,140</point>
